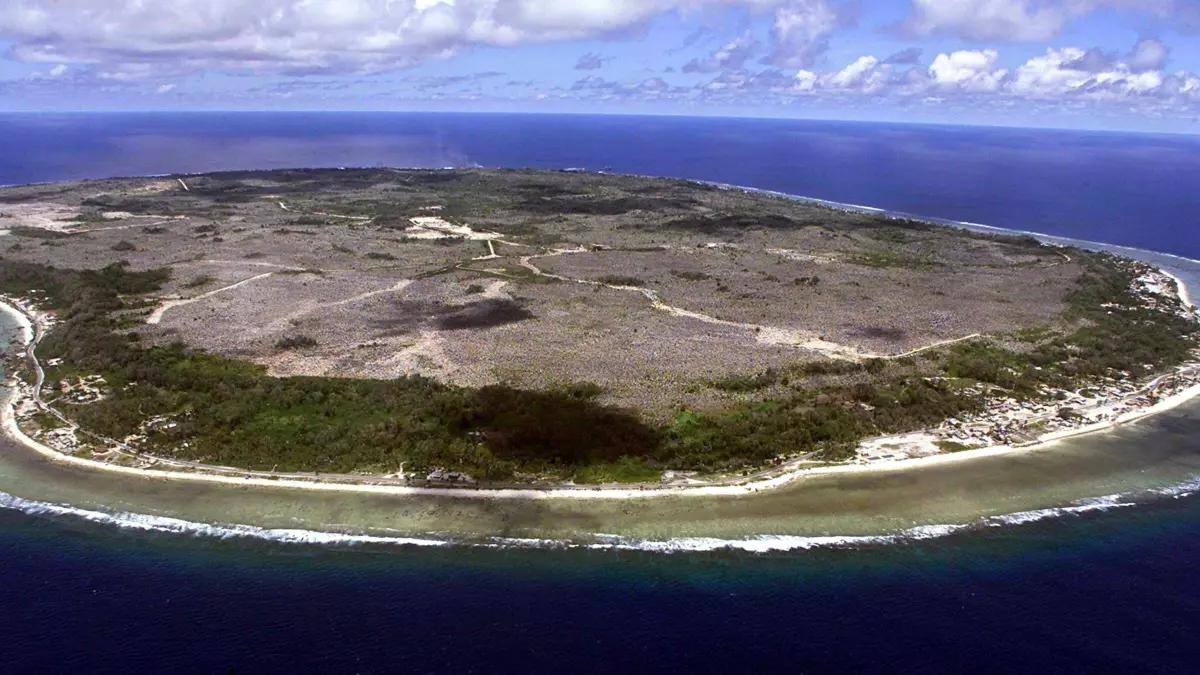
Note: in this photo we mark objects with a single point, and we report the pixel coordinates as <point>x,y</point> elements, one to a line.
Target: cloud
<point>982,20</point>
<point>1094,60</point>
<point>589,61</point>
<point>1149,54</point>
<point>130,39</point>
<point>592,82</point>
<point>1059,76</point>
<point>1182,16</point>
<point>1056,75</point>
<point>730,56</point>
<point>905,57</point>
<point>1033,20</point>
<point>967,70</point>
<point>164,88</point>
<point>595,88</point>
<point>801,33</point>
<point>862,75</point>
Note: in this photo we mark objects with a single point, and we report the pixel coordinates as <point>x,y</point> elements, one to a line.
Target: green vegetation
<point>690,276</point>
<point>202,280</point>
<point>828,422</point>
<point>36,233</point>
<point>952,446</point>
<point>747,383</point>
<point>620,280</point>
<point>295,342</point>
<point>1115,334</point>
<point>46,422</point>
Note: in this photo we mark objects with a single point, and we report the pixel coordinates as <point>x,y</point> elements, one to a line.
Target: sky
<point>1092,64</point>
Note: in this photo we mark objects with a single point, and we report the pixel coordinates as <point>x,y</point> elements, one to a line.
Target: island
<point>473,331</point>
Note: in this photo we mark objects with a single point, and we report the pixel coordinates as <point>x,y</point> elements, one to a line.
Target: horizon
<point>659,115</point>
<point>1119,65</point>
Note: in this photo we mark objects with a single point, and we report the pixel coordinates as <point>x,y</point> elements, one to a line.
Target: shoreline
<point>10,428</point>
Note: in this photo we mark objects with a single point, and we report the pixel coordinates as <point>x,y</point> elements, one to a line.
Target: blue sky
<point>1109,64</point>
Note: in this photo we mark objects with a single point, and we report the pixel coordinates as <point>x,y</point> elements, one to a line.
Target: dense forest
<point>231,412</point>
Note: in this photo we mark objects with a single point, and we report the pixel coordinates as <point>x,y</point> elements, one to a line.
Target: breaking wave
<point>755,544</point>
<point>165,525</point>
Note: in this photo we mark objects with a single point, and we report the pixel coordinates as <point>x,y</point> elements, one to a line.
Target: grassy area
<point>45,421</point>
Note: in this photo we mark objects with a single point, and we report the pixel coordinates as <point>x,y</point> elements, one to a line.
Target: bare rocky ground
<point>326,273</point>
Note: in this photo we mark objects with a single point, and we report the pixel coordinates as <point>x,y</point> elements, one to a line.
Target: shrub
<point>619,280</point>
<point>690,276</point>
<point>295,342</point>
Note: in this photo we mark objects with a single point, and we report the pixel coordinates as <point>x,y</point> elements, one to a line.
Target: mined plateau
<point>502,327</point>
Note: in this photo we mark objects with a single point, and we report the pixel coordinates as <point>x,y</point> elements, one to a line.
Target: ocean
<point>1106,584</point>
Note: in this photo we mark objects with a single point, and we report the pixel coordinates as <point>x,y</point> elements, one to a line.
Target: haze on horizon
<point>1092,64</point>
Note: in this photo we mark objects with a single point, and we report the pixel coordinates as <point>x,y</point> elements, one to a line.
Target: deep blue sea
<point>1112,591</point>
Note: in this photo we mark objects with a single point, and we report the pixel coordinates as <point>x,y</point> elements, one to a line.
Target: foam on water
<point>165,525</point>
<point>1081,506</point>
<point>754,544</point>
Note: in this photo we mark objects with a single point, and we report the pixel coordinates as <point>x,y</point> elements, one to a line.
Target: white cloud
<point>1180,15</point>
<point>801,32</point>
<point>730,56</point>
<point>1060,75</point>
<point>164,88</point>
<point>1033,20</point>
<point>166,37</point>
<point>806,80</point>
<point>967,70</point>
<point>589,61</point>
<point>58,71</point>
<point>865,75</point>
<point>1056,75</point>
<point>1149,54</point>
<point>1022,20</point>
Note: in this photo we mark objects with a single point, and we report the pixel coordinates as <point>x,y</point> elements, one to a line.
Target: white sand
<point>1184,295</point>
<point>434,227</point>
<point>19,316</point>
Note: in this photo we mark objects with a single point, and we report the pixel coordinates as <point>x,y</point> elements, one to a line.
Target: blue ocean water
<point>1133,189</point>
<point>1099,592</point>
<point>1106,593</point>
